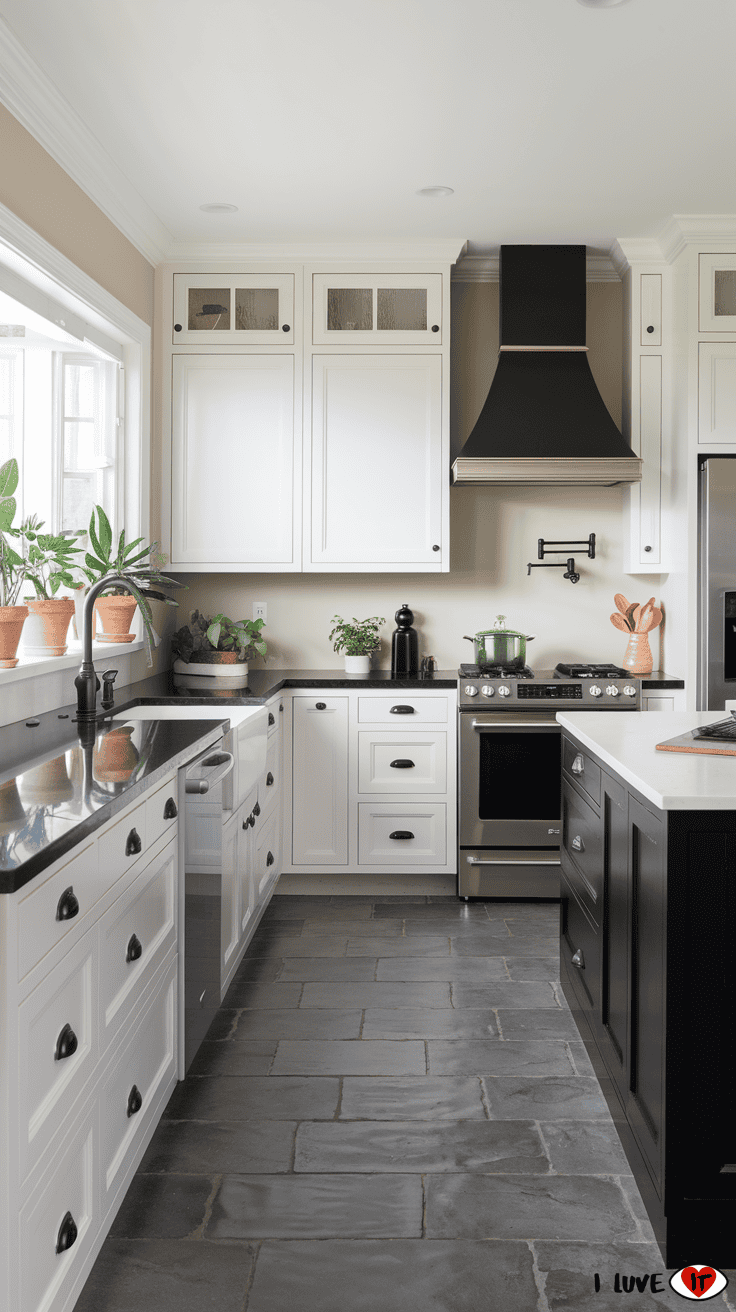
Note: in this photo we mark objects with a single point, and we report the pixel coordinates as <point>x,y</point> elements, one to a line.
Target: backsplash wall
<point>494,533</point>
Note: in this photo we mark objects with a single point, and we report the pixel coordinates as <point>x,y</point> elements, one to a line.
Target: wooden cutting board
<point>687,742</point>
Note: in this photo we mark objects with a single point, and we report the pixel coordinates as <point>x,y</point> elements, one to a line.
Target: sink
<point>249,732</point>
<point>235,714</point>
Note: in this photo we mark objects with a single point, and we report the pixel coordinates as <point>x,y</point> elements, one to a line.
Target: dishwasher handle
<point>225,763</point>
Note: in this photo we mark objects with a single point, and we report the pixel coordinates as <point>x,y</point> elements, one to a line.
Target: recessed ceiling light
<point>601,4</point>
<point>436,191</point>
<point>218,208</point>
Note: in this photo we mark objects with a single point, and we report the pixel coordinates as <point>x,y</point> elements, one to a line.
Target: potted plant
<point>357,639</point>
<point>140,566</point>
<point>12,572</point>
<point>218,646</point>
<point>47,564</point>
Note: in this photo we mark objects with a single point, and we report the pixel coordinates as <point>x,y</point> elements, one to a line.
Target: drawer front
<point>270,781</point>
<point>128,1100</point>
<point>122,844</point>
<point>395,835</point>
<point>67,1198</point>
<point>583,850</point>
<point>580,767</point>
<point>57,1050</point>
<point>161,811</point>
<point>275,717</point>
<point>58,907</point>
<point>404,710</point>
<point>135,935</point>
<point>402,762</point>
<point>267,860</point>
<point>580,952</point>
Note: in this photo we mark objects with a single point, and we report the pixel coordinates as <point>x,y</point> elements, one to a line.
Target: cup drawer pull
<point>66,1044</point>
<point>578,959</point>
<point>577,844</point>
<point>171,810</point>
<point>402,764</point>
<point>402,710</point>
<point>68,905</point>
<point>578,765</point>
<point>67,1235</point>
<point>401,833</point>
<point>133,843</point>
<point>135,1101</point>
<point>134,950</point>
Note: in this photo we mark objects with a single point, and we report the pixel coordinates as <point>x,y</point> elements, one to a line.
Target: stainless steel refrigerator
<point>717,564</point>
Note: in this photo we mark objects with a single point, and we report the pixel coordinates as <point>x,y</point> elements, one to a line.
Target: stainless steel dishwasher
<point>203,781</point>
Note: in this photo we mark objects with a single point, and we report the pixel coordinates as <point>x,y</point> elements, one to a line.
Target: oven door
<point>509,779</point>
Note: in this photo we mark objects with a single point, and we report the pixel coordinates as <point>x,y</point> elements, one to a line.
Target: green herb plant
<point>139,566</point>
<point>218,634</point>
<point>356,637</point>
<point>47,557</point>
<point>12,566</point>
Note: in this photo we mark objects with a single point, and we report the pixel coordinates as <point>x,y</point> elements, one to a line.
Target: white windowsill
<point>30,667</point>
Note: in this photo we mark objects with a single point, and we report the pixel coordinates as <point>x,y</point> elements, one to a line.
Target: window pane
<point>79,446</point>
<point>6,439</point>
<point>209,308</point>
<point>402,309</point>
<point>78,496</point>
<point>79,390</point>
<point>6,384</point>
<point>349,309</point>
<point>256,308</point>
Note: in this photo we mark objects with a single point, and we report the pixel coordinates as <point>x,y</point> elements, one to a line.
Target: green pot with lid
<point>500,646</point>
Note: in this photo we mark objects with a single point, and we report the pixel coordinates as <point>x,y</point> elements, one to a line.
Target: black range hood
<point>544,420</point>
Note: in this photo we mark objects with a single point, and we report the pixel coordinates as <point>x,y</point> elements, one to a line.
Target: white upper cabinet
<point>390,309</point>
<point>233,309</point>
<point>716,393</point>
<point>232,469</point>
<point>378,479</point>
<point>717,293</point>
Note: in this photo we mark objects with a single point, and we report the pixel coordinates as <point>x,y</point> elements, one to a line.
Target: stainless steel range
<point>509,780</point>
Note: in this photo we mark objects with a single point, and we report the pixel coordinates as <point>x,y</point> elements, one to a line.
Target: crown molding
<point>627,251</point>
<point>484,268</point>
<point>702,230</point>
<point>405,253</point>
<point>43,111</point>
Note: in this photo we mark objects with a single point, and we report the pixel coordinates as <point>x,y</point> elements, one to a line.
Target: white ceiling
<point>320,119</point>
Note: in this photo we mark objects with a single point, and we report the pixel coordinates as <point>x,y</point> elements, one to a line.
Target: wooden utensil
<point>634,617</point>
<point>621,602</point>
<point>619,622</point>
<point>655,618</point>
<point>630,615</point>
<point>645,614</point>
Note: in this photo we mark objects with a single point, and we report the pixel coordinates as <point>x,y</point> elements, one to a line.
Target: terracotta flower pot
<point>115,756</point>
<point>116,616</point>
<point>47,625</point>
<point>12,619</point>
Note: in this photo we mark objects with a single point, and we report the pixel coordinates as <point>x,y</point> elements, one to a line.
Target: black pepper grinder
<point>404,644</point>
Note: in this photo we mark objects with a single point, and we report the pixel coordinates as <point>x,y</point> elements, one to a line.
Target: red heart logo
<point>698,1279</point>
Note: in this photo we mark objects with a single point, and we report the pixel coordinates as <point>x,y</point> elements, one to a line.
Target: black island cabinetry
<point>648,963</point>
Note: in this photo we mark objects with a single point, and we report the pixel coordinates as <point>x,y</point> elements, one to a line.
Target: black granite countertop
<point>59,789</point>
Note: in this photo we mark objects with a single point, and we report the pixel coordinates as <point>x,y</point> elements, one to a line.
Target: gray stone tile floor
<point>392,1112</point>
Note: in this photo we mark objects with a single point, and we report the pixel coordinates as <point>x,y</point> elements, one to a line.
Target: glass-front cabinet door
<point>239,309</point>
<point>398,309</point>
<point>717,295</point>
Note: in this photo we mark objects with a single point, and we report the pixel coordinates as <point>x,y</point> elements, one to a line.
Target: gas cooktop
<point>580,687</point>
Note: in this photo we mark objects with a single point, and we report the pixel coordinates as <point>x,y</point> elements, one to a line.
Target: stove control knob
<point>470,690</point>
<point>488,690</point>
<point>504,690</point>
<point>595,691</point>
<point>629,691</point>
<point>612,690</point>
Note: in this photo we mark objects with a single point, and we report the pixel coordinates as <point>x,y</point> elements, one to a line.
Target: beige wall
<point>494,533</point>
<point>40,193</point>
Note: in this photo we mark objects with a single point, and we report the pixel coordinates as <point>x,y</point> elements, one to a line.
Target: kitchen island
<point>648,920</point>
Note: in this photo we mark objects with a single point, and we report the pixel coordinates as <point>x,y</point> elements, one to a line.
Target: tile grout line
<point>641,1237</point>
<point>198,1231</point>
<point>251,1276</point>
<point>540,1279</point>
<point>551,1170</point>
<point>484,1098</point>
<point>498,1022</point>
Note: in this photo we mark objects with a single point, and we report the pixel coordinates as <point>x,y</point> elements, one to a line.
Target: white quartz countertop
<point>626,742</point>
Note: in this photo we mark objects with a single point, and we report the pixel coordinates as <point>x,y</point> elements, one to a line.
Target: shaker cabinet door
<point>320,781</point>
<point>233,464</point>
<point>377,471</point>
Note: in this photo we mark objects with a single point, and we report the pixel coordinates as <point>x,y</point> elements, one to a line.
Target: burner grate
<point>495,672</point>
<point>580,671</point>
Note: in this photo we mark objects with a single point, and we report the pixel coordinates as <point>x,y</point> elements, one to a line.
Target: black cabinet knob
<point>402,710</point>
<point>401,833</point>
<point>177,327</point>
<point>66,1044</point>
<point>68,905</point>
<point>436,546</point>
<point>286,328</point>
<point>270,859</point>
<point>647,548</point>
<point>402,764</point>
<point>257,809</point>
<point>135,1101</point>
<point>650,329</point>
<point>269,779</point>
<point>133,843</point>
<point>134,950</point>
<point>321,706</point>
<point>67,1235</point>
<point>171,810</point>
<point>271,718</point>
<point>435,327</point>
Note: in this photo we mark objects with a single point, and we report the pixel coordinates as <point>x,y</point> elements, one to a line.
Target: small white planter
<point>358,664</point>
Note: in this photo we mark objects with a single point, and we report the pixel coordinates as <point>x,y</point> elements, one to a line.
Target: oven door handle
<point>510,861</point>
<point>482,725</point>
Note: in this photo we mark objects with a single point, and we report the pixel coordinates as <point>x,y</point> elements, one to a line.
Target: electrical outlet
<point>260,611</point>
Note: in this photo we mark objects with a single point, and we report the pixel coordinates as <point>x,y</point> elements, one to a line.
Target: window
<point>87,439</point>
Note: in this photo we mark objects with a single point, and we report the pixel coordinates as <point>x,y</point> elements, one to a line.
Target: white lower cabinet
<point>366,796</point>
